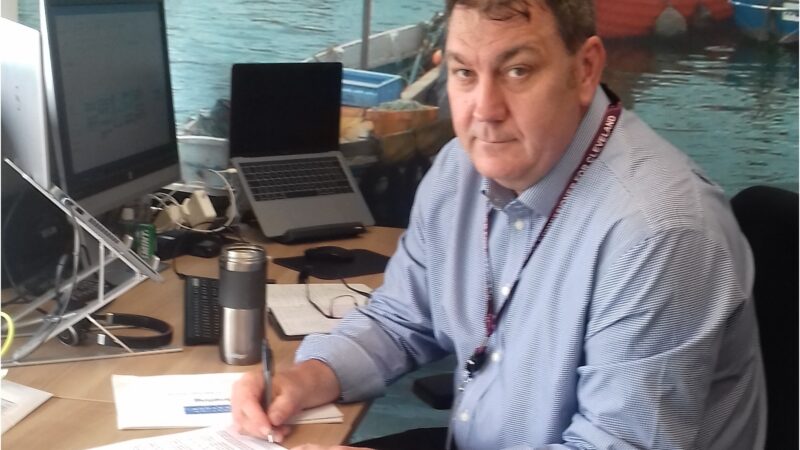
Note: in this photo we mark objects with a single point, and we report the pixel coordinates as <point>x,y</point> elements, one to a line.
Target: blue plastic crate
<point>365,89</point>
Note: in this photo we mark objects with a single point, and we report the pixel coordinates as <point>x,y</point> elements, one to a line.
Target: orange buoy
<point>436,57</point>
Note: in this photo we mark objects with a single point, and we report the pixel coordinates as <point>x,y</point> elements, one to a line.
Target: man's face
<point>515,93</point>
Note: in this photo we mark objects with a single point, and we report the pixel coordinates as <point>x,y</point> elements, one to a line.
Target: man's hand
<point>310,383</point>
<point>248,413</point>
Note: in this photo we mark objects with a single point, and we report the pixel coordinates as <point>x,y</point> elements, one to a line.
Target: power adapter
<point>197,210</point>
<point>168,218</point>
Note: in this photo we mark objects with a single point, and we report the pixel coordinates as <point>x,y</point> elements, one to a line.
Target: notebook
<point>284,140</point>
<point>295,317</point>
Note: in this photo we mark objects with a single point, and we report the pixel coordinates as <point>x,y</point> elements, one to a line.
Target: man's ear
<point>591,60</point>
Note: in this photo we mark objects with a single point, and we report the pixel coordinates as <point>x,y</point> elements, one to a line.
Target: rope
<point>10,335</point>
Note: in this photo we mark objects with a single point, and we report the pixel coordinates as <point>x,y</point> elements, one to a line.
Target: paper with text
<point>214,438</point>
<point>289,305</point>
<point>185,401</point>
<point>19,401</point>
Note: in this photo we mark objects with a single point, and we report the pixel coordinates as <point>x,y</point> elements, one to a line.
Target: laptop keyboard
<point>292,178</point>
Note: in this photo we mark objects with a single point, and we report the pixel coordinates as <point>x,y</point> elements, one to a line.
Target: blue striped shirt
<point>632,325</point>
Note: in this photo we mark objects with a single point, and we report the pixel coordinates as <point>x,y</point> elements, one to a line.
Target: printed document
<point>290,306</point>
<point>185,401</point>
<point>19,401</point>
<point>215,438</point>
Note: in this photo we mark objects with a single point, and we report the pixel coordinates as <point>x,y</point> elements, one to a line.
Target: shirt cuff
<point>359,377</point>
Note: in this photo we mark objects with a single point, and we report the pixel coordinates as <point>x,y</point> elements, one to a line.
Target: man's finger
<point>282,409</point>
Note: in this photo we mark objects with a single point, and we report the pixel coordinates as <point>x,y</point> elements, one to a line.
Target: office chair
<point>435,390</point>
<point>389,187</point>
<point>768,217</point>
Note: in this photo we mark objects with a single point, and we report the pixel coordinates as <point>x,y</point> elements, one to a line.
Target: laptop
<point>70,207</point>
<point>284,141</point>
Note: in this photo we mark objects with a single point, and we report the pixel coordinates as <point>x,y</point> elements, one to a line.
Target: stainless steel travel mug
<point>242,298</point>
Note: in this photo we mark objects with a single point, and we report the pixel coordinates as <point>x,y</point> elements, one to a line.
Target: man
<point>591,279</point>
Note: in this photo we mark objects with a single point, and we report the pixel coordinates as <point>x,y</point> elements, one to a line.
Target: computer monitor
<point>35,232</point>
<point>109,98</point>
<point>22,106</point>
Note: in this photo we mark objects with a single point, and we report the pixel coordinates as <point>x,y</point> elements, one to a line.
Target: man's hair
<point>575,18</point>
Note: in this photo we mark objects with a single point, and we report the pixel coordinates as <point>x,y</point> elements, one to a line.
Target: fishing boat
<point>766,20</point>
<point>634,18</point>
<point>405,51</point>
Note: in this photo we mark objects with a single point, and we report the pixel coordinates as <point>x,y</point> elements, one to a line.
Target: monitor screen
<point>285,108</point>
<point>109,99</point>
<point>23,118</point>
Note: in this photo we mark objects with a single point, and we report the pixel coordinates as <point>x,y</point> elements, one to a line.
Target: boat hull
<point>767,20</point>
<point>631,18</point>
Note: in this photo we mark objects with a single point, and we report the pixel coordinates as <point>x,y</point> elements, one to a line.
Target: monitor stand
<point>29,348</point>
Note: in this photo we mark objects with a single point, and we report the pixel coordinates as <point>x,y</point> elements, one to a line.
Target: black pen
<point>266,364</point>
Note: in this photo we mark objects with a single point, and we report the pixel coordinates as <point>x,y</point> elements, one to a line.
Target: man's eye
<point>518,72</point>
<point>462,73</point>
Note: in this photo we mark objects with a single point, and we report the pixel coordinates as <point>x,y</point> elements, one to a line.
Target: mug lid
<point>240,255</point>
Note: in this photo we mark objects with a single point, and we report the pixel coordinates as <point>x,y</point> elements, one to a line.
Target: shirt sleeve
<point>657,322</point>
<point>392,335</point>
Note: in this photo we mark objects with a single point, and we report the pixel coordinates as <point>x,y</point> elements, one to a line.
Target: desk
<point>71,423</point>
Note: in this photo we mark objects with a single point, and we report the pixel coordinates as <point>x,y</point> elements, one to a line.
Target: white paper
<point>19,401</point>
<point>289,304</point>
<point>321,414</point>
<point>186,401</point>
<point>215,438</point>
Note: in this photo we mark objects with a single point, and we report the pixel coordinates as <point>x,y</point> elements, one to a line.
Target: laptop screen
<point>285,108</point>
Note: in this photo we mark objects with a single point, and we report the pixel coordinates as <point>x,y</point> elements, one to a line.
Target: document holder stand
<point>113,256</point>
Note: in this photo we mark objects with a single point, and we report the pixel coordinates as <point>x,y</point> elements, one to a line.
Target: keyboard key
<point>201,311</point>
<point>305,177</point>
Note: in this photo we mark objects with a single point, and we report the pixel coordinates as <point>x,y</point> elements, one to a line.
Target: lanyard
<point>610,119</point>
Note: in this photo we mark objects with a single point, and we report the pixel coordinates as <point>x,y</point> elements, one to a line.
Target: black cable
<point>179,242</point>
<point>305,272</point>
<point>238,233</point>
<point>365,294</point>
<point>180,275</point>
<point>50,321</point>
<point>175,253</point>
<point>88,257</point>
<point>63,299</point>
<point>62,262</point>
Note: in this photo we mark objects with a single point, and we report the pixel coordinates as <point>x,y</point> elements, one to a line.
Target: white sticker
<point>790,12</point>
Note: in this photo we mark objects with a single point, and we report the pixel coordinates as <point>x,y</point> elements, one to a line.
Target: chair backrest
<point>768,217</point>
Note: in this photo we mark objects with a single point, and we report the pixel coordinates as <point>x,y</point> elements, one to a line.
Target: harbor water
<point>730,103</point>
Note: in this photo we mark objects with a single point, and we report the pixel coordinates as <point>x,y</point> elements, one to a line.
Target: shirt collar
<point>542,196</point>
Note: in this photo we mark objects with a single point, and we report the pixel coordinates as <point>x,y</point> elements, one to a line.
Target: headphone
<point>78,332</point>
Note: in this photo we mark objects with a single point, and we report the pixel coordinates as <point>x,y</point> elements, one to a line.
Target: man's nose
<point>490,102</point>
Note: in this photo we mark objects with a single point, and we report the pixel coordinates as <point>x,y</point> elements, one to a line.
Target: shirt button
<point>519,225</point>
<point>464,416</point>
<point>496,356</point>
<point>505,290</point>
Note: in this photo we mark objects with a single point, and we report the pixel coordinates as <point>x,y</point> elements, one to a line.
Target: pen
<point>266,364</point>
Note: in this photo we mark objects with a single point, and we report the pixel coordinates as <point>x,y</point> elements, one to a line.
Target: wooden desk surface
<point>81,414</point>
